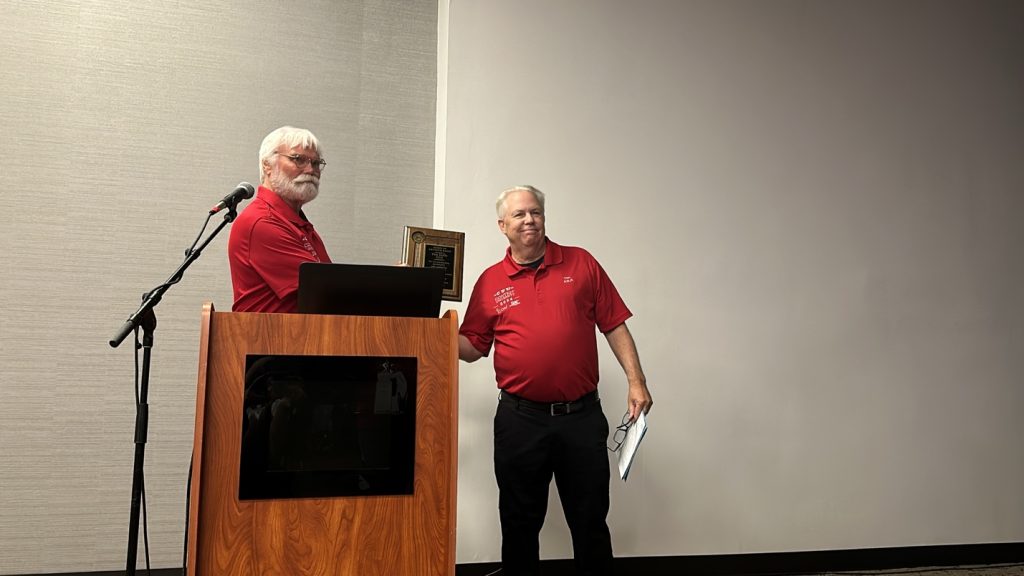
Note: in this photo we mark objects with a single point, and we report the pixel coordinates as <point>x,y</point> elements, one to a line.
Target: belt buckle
<point>561,408</point>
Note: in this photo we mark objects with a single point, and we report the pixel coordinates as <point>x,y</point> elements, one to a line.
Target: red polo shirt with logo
<point>541,322</point>
<point>268,242</point>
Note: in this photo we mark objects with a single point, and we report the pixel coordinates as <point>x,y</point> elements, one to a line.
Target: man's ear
<point>501,225</point>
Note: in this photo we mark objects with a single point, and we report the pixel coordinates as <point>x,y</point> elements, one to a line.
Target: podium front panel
<point>338,380</point>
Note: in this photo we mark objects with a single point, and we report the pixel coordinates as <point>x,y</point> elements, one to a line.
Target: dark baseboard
<point>790,563</point>
<point>814,562</point>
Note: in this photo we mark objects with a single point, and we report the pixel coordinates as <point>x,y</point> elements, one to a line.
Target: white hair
<point>500,204</point>
<point>290,137</point>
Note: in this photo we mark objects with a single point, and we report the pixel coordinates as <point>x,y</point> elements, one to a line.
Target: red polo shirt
<point>268,242</point>
<point>541,322</point>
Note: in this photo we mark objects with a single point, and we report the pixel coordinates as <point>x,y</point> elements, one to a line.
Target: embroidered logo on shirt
<point>505,299</point>
<point>567,280</point>
<point>309,247</point>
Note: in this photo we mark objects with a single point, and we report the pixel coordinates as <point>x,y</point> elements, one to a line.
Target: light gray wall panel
<point>122,124</point>
<point>813,208</point>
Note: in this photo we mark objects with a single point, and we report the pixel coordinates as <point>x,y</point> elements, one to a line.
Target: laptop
<point>370,290</point>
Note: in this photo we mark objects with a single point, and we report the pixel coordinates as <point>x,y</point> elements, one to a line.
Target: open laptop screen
<point>370,290</point>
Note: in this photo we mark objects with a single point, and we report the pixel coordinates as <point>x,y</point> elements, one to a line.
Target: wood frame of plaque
<point>427,247</point>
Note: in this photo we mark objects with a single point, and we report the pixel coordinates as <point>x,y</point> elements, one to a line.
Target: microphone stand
<point>145,319</point>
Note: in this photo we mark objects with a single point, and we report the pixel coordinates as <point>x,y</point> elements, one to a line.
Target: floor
<point>989,570</point>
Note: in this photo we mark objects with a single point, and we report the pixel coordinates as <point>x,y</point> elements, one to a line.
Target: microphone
<point>243,191</point>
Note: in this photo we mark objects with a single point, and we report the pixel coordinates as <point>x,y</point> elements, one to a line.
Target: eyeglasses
<point>303,161</point>
<point>620,432</point>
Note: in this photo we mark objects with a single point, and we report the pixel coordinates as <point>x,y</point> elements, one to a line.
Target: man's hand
<point>639,400</point>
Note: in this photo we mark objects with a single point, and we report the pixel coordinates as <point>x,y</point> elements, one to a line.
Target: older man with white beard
<point>272,237</point>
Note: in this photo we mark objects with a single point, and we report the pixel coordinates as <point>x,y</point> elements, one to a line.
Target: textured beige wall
<point>122,123</point>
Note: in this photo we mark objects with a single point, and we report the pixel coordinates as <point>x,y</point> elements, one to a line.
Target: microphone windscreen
<point>249,190</point>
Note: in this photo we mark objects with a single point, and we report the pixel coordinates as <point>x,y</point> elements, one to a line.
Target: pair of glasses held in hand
<point>620,432</point>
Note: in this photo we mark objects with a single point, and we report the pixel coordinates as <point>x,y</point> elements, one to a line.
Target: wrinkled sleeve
<point>609,309</point>
<point>478,325</point>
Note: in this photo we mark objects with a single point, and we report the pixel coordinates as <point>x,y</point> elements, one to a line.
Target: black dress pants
<point>531,446</point>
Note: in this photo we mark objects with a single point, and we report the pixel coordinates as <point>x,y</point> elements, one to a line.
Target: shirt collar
<point>277,204</point>
<point>552,256</point>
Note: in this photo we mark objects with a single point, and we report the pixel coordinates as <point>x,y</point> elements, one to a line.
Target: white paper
<point>630,444</point>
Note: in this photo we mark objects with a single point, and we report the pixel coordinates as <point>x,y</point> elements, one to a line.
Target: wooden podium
<point>403,535</point>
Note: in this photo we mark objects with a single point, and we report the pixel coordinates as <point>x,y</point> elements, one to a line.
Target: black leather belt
<point>552,408</point>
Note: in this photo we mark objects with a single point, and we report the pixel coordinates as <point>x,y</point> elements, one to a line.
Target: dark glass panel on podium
<point>327,426</point>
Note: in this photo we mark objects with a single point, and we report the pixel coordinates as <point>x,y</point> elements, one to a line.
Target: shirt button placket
<point>537,290</point>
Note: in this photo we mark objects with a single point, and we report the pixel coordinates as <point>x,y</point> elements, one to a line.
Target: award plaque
<point>429,248</point>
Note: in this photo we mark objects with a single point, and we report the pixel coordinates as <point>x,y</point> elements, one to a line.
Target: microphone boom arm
<point>152,298</point>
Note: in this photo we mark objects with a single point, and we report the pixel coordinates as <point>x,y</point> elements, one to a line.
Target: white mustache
<point>307,178</point>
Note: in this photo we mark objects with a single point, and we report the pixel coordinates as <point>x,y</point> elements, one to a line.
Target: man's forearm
<point>468,352</point>
<point>621,342</point>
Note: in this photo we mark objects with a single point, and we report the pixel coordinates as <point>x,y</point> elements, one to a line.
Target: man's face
<point>523,223</point>
<point>296,184</point>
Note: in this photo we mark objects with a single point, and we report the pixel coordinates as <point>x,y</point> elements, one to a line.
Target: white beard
<point>304,188</point>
